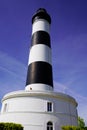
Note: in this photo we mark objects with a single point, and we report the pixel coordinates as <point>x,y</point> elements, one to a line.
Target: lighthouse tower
<point>39,75</point>
<point>38,107</point>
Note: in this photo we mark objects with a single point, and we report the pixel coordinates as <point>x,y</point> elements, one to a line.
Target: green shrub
<point>10,126</point>
<point>73,128</point>
<point>70,128</point>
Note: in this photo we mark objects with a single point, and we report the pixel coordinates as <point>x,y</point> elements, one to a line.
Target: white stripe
<point>40,52</point>
<point>40,87</point>
<point>40,25</point>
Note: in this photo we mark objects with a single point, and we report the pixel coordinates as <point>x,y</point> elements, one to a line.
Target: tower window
<point>49,126</point>
<point>5,107</point>
<point>49,106</point>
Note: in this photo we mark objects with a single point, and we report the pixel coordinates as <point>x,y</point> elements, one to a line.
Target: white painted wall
<point>39,25</point>
<point>29,108</point>
<point>40,52</point>
<point>38,87</point>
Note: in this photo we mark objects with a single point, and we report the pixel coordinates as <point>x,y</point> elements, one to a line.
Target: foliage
<point>73,128</point>
<point>10,126</point>
<point>81,122</point>
<point>70,128</point>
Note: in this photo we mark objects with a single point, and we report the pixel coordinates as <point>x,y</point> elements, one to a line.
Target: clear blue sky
<point>68,40</point>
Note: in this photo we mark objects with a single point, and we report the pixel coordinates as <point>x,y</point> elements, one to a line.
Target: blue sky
<point>68,41</point>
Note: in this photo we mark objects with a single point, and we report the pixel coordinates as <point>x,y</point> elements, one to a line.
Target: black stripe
<point>39,72</point>
<point>40,37</point>
<point>41,14</point>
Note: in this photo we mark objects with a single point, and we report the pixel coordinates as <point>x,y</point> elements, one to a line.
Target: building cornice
<point>51,94</point>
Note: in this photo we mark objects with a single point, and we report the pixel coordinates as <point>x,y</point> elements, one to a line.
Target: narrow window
<point>5,107</point>
<point>49,126</point>
<point>49,106</point>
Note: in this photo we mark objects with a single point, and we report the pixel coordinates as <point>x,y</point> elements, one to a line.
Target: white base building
<point>37,110</point>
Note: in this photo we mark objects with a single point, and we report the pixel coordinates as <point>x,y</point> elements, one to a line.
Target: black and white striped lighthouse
<point>39,75</point>
<point>38,107</point>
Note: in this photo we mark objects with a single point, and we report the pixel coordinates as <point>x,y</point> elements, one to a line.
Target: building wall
<point>30,109</point>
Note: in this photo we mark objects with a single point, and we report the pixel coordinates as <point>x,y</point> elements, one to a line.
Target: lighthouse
<point>38,106</point>
<point>39,76</point>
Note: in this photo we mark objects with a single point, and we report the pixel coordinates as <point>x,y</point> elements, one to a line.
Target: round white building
<point>36,110</point>
<point>38,107</point>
